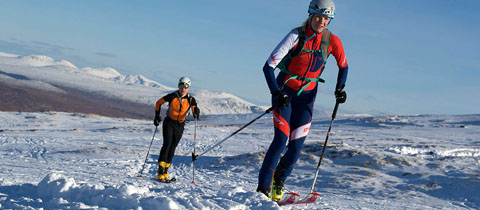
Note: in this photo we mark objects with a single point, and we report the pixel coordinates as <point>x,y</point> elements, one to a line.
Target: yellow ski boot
<point>161,171</point>
<point>277,191</point>
<point>165,173</point>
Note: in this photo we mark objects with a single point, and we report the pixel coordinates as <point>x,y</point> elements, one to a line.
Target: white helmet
<point>322,7</point>
<point>184,81</point>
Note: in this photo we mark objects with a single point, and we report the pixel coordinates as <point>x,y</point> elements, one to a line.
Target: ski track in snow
<point>76,161</point>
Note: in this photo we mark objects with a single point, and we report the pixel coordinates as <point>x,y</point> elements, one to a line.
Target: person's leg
<point>177,135</point>
<point>168,136</point>
<point>282,130</point>
<point>167,130</point>
<point>300,125</point>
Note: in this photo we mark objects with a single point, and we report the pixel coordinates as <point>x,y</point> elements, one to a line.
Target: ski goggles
<point>328,12</point>
<point>183,85</point>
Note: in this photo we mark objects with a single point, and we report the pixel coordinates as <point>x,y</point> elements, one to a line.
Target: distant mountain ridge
<point>43,73</point>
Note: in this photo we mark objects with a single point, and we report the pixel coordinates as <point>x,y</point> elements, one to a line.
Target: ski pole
<point>193,153</point>
<point>194,157</point>
<point>324,145</point>
<point>143,167</point>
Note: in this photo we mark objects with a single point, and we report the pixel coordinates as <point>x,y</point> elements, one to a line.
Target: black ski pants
<point>172,133</point>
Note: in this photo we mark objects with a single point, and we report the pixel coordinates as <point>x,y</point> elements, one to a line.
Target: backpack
<point>302,37</point>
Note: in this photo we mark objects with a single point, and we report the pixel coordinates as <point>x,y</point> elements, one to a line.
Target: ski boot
<point>277,190</point>
<point>165,173</point>
<point>161,171</point>
<point>265,191</point>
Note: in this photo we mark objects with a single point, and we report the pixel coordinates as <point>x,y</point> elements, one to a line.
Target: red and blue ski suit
<point>293,122</point>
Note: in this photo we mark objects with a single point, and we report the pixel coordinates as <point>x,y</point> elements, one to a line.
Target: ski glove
<point>281,99</point>
<point>196,113</point>
<point>341,96</point>
<point>157,120</point>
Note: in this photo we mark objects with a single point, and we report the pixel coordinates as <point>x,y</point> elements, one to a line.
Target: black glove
<point>157,120</point>
<point>281,99</point>
<point>196,113</point>
<point>341,96</point>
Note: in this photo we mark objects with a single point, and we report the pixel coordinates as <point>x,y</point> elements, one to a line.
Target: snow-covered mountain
<point>45,73</point>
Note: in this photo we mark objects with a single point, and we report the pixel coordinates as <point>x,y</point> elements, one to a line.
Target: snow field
<point>77,161</point>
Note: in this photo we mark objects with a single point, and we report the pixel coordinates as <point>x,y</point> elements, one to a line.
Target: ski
<point>290,198</point>
<point>311,198</point>
<point>294,198</point>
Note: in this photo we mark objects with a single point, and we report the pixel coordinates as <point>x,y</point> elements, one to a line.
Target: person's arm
<point>157,119</point>
<point>342,78</point>
<point>338,52</point>
<point>158,106</point>
<point>276,57</point>
<point>195,109</point>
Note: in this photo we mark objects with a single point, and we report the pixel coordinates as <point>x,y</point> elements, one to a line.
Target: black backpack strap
<point>302,35</point>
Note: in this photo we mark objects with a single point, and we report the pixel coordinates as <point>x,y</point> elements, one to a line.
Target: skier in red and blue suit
<point>294,91</point>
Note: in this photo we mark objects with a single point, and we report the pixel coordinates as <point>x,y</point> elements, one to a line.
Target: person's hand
<point>196,113</point>
<point>157,120</point>
<point>281,99</point>
<point>340,96</point>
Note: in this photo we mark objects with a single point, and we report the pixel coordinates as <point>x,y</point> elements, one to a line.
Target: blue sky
<point>405,57</point>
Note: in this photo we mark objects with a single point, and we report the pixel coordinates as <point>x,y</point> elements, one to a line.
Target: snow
<point>56,160</point>
<point>3,54</point>
<point>43,60</point>
<point>46,73</point>
<point>460,152</point>
<point>102,73</point>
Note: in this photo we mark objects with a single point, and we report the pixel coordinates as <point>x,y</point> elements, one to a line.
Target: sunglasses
<point>183,85</point>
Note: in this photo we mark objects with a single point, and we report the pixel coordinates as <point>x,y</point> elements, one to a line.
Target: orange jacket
<point>177,106</point>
